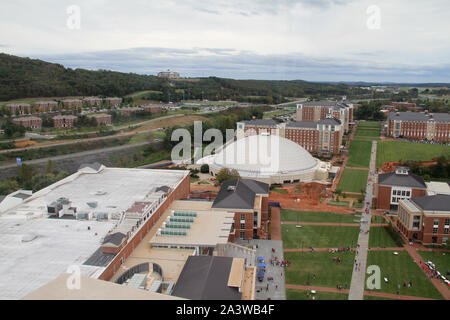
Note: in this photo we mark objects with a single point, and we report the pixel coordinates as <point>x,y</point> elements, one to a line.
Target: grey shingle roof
<point>439,202</point>
<point>239,194</point>
<point>206,278</point>
<point>115,238</point>
<point>400,180</point>
<point>332,121</point>
<point>261,122</point>
<point>419,116</point>
<point>301,124</point>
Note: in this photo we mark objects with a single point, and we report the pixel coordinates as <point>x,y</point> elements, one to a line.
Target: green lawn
<point>339,203</point>
<point>359,154</point>
<point>318,236</point>
<point>440,259</point>
<point>280,191</point>
<point>399,150</point>
<point>353,180</point>
<point>376,298</point>
<point>307,216</point>
<point>380,238</point>
<point>301,295</point>
<point>399,269</point>
<point>372,125</point>
<point>378,219</point>
<point>304,265</point>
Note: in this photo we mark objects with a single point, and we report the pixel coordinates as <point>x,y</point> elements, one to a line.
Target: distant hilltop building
<point>169,75</point>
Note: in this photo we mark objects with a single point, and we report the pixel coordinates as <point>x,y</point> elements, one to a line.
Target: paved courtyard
<point>269,289</point>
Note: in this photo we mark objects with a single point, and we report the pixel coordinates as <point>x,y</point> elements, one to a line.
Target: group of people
<point>337,259</point>
<point>339,250</point>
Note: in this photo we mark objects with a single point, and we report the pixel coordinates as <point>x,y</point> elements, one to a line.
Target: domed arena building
<point>270,159</point>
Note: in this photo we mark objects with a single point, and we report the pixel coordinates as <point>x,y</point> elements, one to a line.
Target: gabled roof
<point>301,124</point>
<point>401,180</point>
<point>419,116</point>
<point>115,238</point>
<point>239,194</point>
<point>332,121</point>
<point>206,278</point>
<point>439,202</point>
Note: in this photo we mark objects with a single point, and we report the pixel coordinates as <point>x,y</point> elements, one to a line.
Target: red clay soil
<point>309,199</point>
<point>346,291</point>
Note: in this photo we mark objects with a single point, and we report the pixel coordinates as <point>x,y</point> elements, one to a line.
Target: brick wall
<point>179,193</point>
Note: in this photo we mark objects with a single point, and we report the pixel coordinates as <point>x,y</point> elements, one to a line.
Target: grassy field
<point>380,238</point>
<point>359,154</point>
<point>328,273</point>
<point>376,298</point>
<point>301,295</point>
<point>318,236</point>
<point>399,150</point>
<point>353,180</point>
<point>368,129</point>
<point>280,191</point>
<point>399,269</point>
<point>276,113</point>
<point>440,259</point>
<point>307,216</point>
<point>378,219</point>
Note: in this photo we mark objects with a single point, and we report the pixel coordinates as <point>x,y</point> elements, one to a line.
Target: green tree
<point>204,168</point>
<point>226,174</point>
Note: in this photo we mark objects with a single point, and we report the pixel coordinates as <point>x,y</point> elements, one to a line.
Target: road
<point>359,268</point>
<point>94,139</point>
<point>76,155</point>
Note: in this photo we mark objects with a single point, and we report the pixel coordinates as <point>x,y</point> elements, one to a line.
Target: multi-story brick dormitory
<point>64,121</point>
<point>128,111</point>
<point>101,118</point>
<point>419,125</point>
<point>322,137</point>
<point>425,219</point>
<point>19,108</point>
<point>248,200</point>
<point>114,102</point>
<point>72,103</point>
<point>45,106</point>
<point>93,101</point>
<point>392,187</point>
<point>316,111</point>
<point>29,122</point>
<point>152,108</point>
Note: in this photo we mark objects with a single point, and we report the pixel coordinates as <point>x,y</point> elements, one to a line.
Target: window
<point>242,226</point>
<point>242,235</point>
<point>447,222</point>
<point>435,230</point>
<point>446,231</point>
<point>242,216</point>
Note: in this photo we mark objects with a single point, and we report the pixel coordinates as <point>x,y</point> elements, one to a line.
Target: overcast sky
<point>317,40</point>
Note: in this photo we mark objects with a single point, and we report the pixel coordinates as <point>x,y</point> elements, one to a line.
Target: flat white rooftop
<point>26,266</point>
<point>35,249</point>
<point>435,187</point>
<point>208,229</point>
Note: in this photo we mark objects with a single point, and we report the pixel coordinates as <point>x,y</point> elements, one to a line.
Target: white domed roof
<point>265,155</point>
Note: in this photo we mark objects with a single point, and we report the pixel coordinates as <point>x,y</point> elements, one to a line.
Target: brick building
<point>64,121</point>
<point>408,105</point>
<point>425,219</point>
<point>248,200</point>
<point>316,111</point>
<point>93,101</point>
<point>419,125</point>
<point>115,102</point>
<point>168,75</point>
<point>19,108</point>
<point>321,137</point>
<point>129,111</point>
<point>152,108</point>
<point>29,122</point>
<point>45,106</point>
<point>398,185</point>
<point>101,118</point>
<point>72,103</point>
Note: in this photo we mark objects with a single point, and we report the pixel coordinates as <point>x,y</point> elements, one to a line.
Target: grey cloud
<point>249,65</point>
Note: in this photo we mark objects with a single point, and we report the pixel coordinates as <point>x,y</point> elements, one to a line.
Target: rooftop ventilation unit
<point>185,214</point>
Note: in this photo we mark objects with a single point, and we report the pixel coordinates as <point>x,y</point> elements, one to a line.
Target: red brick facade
<point>64,121</point>
<point>19,108</point>
<point>104,119</point>
<point>383,200</point>
<point>182,191</point>
<point>29,122</point>
<point>427,235</point>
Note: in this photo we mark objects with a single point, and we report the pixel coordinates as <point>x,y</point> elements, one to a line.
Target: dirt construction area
<point>308,199</point>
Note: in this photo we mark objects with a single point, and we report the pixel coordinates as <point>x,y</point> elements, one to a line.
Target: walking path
<point>275,225</point>
<point>366,293</point>
<point>359,272</point>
